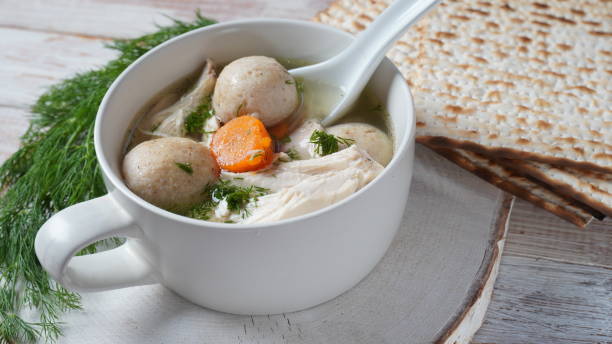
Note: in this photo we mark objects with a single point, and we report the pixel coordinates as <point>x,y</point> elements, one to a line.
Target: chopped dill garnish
<point>185,166</point>
<point>194,122</point>
<point>237,198</point>
<point>256,154</point>
<point>55,168</point>
<point>293,154</point>
<point>326,144</point>
<point>202,211</point>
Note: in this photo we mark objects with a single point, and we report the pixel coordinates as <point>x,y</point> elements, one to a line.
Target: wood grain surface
<point>544,301</point>
<point>555,281</point>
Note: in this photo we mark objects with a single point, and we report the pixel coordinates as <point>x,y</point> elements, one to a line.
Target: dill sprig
<point>326,144</point>
<point>194,122</point>
<point>237,198</point>
<point>55,168</point>
<point>293,154</point>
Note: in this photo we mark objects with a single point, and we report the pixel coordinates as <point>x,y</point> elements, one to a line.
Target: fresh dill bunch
<point>326,144</point>
<point>237,198</point>
<point>54,168</point>
<point>194,122</point>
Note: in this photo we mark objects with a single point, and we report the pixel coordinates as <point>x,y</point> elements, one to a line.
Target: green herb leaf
<point>195,121</point>
<point>55,168</point>
<point>326,144</point>
<point>185,166</point>
<point>202,211</point>
<point>299,87</point>
<point>256,154</point>
<point>293,154</point>
<point>237,198</point>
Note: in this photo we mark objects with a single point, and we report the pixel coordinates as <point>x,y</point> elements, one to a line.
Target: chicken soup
<point>243,143</point>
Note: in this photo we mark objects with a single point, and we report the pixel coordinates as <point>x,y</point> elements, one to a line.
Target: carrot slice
<point>242,144</point>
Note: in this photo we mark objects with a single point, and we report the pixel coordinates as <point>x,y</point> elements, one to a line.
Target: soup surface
<point>242,143</point>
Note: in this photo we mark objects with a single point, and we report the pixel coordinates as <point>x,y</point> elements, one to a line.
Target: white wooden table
<point>555,281</point>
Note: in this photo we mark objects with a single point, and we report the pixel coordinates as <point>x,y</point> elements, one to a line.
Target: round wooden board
<point>433,285</point>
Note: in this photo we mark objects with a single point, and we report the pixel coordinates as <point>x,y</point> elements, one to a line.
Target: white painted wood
<point>535,233</point>
<point>436,267</point>
<point>547,302</point>
<point>550,263</point>
<point>133,17</point>
<point>31,61</point>
<point>13,123</point>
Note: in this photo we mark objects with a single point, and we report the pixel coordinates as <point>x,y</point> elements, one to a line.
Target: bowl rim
<point>118,184</point>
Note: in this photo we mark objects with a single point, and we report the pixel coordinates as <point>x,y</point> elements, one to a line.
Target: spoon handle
<point>354,66</point>
<point>371,45</point>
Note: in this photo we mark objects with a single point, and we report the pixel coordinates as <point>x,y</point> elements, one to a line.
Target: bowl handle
<point>80,225</point>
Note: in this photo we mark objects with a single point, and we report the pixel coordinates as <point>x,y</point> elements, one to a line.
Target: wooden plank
<point>134,17</point>
<point>535,233</point>
<point>31,61</point>
<point>542,301</point>
<point>14,123</point>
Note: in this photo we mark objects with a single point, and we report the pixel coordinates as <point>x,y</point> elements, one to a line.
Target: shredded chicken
<point>303,186</point>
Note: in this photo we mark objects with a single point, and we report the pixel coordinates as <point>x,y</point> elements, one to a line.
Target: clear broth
<point>317,101</point>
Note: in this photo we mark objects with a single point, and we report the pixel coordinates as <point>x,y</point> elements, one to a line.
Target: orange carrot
<point>242,144</point>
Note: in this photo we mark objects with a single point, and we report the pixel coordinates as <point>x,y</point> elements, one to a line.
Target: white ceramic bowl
<point>245,269</point>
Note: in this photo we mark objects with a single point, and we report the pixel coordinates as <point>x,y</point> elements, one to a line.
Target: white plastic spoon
<point>351,69</point>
